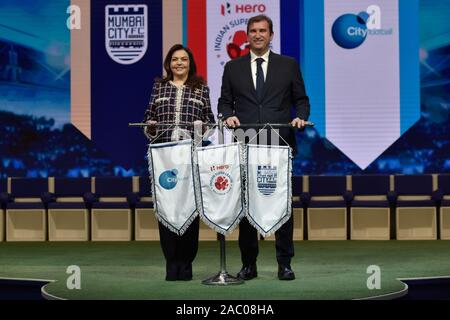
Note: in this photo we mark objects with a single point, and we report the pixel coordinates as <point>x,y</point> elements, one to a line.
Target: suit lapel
<point>248,76</point>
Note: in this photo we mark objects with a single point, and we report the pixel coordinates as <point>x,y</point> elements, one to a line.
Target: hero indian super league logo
<point>349,31</point>
<point>266,178</point>
<point>126,32</point>
<point>221,181</point>
<point>231,40</point>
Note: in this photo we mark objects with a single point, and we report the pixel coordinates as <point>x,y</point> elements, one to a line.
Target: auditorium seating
<point>370,207</point>
<point>444,194</point>
<point>26,218</point>
<point>111,214</point>
<point>327,208</point>
<point>359,207</point>
<point>68,213</point>
<point>415,207</point>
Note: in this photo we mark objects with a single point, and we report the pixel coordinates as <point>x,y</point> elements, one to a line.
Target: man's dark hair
<point>258,18</point>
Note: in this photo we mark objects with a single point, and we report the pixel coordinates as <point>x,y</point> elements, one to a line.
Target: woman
<point>181,97</point>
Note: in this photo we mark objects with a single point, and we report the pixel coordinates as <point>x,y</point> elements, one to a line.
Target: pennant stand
<point>222,277</point>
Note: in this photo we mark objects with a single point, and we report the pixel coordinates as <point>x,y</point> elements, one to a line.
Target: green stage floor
<point>135,270</point>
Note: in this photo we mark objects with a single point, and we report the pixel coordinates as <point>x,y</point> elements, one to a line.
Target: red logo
<point>242,8</point>
<point>221,183</point>
<point>239,46</point>
<point>225,9</point>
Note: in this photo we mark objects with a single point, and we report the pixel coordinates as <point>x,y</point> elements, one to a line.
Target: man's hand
<point>298,123</point>
<point>232,122</point>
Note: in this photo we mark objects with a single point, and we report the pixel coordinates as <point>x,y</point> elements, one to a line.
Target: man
<point>261,87</point>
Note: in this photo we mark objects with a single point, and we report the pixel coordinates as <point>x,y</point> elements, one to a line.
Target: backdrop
<point>73,74</point>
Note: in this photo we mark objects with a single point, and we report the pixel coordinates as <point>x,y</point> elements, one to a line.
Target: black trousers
<point>179,251</point>
<point>284,244</point>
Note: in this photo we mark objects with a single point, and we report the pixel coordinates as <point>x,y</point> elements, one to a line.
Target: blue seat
<point>145,193</point>
<point>146,224</point>
<point>71,193</point>
<point>327,208</point>
<point>370,207</point>
<point>4,199</point>
<point>444,210</point>
<point>298,205</point>
<point>415,207</point>
<point>111,215</point>
<point>26,218</point>
<point>68,213</point>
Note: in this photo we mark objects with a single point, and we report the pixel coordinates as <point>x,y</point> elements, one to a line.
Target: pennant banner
<point>268,185</point>
<point>170,166</point>
<point>363,72</point>
<point>220,190</point>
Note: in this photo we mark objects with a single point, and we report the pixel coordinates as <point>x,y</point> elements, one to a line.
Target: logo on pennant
<point>266,177</point>
<point>220,181</point>
<point>168,179</point>
<point>126,32</point>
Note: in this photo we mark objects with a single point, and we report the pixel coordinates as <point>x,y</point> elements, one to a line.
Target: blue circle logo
<point>168,179</point>
<point>350,30</point>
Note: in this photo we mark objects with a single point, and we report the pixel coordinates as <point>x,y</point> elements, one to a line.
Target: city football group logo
<point>349,31</point>
<point>170,178</point>
<point>126,32</point>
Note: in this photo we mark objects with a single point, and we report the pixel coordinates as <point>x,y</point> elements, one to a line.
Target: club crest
<point>221,181</point>
<point>126,32</point>
<point>266,179</point>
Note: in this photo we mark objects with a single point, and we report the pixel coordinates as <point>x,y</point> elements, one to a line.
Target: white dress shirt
<point>264,65</point>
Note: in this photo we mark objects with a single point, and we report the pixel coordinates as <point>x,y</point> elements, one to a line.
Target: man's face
<point>259,37</point>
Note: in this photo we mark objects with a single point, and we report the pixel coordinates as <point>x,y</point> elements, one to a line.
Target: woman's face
<point>179,64</point>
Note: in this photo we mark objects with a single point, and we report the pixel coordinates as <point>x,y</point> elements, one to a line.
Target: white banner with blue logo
<point>171,170</point>
<point>220,172</point>
<point>268,187</point>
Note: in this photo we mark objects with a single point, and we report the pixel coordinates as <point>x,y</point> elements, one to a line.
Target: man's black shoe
<point>285,273</point>
<point>248,272</point>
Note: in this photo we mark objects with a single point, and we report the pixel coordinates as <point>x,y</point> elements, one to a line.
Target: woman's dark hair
<point>193,80</point>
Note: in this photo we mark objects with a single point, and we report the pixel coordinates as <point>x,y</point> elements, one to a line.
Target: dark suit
<point>283,88</point>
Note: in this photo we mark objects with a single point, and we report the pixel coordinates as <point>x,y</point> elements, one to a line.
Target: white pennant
<point>268,185</point>
<point>170,166</point>
<point>220,188</point>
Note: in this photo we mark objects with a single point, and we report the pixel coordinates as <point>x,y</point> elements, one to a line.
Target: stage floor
<point>135,270</point>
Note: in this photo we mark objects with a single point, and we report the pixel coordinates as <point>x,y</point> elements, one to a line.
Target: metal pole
<point>223,277</point>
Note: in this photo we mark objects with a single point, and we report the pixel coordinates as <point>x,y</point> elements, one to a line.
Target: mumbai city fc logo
<point>126,32</point>
<point>221,181</point>
<point>266,179</point>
